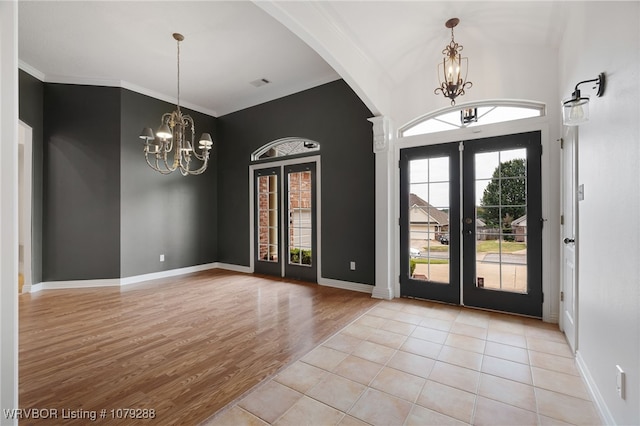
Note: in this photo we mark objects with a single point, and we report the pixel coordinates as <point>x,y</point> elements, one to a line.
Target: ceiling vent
<point>260,82</point>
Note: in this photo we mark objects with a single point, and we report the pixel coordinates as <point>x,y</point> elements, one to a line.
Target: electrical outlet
<point>352,265</point>
<point>620,381</point>
<point>162,258</point>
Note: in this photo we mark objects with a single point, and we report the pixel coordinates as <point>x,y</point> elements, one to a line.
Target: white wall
<point>605,37</point>
<point>8,207</point>
<point>526,72</point>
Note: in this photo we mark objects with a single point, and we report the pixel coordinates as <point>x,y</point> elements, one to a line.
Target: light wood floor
<point>184,347</point>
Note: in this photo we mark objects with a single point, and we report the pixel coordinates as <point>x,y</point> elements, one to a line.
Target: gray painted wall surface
<point>81,225</point>
<point>31,106</point>
<point>335,117</point>
<point>172,214</point>
<point>106,214</point>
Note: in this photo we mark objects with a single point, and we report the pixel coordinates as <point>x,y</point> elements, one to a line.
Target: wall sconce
<point>575,111</point>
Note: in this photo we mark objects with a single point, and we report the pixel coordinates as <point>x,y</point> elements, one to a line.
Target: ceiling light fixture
<point>575,110</point>
<point>175,139</point>
<point>452,71</point>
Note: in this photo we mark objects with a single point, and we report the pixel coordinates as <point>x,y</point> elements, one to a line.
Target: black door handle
<point>569,240</point>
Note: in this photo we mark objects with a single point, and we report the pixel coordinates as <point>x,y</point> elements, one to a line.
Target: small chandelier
<point>452,71</point>
<point>173,146</point>
<point>575,110</point>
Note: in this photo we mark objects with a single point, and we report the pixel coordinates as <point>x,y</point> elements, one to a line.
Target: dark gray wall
<point>106,214</point>
<point>335,117</point>
<point>31,112</point>
<point>81,226</point>
<point>172,214</point>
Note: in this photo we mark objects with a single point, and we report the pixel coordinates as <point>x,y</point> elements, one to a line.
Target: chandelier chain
<point>178,75</point>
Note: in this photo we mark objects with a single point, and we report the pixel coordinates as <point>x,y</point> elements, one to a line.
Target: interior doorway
<point>25,161</point>
<point>285,206</point>
<point>569,224</point>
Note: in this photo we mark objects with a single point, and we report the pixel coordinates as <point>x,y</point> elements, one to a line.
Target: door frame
<point>572,337</point>
<point>550,206</point>
<point>281,164</point>
<point>25,138</point>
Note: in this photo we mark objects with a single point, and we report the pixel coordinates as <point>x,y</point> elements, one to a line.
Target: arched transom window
<point>285,147</point>
<point>469,115</point>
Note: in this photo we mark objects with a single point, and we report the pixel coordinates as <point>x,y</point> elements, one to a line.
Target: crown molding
<point>60,79</point>
<point>31,70</point>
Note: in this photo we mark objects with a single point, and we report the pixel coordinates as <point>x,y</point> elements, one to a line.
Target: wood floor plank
<point>183,346</point>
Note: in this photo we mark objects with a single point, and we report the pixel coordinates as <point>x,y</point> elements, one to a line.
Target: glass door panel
<point>430,223</point>
<point>301,213</point>
<point>502,224</point>
<point>267,213</point>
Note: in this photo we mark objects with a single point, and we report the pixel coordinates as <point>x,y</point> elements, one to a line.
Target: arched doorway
<point>284,209</point>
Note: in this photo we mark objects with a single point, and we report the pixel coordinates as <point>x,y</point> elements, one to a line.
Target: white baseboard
<point>56,285</point>
<point>601,406</point>
<point>165,274</point>
<point>232,267</point>
<point>121,282</point>
<point>116,282</point>
<point>345,285</point>
<point>33,288</point>
<point>382,293</point>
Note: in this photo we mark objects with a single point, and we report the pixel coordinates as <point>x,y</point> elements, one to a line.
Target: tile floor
<point>409,362</point>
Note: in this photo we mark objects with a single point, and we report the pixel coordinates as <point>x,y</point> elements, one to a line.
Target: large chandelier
<point>452,71</point>
<point>173,146</point>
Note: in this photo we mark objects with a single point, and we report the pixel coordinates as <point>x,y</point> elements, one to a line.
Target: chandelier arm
<point>184,162</point>
<point>164,171</point>
<point>166,161</point>
<point>201,169</point>
<point>201,156</point>
<point>156,167</point>
<point>188,121</point>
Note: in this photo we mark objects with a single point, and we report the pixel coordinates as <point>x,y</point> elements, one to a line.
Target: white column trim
<point>9,208</point>
<point>384,221</point>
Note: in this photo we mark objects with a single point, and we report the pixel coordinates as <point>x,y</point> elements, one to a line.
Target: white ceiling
<point>230,44</point>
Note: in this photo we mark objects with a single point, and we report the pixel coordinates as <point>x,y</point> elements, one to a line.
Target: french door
<point>285,221</point>
<point>471,229</point>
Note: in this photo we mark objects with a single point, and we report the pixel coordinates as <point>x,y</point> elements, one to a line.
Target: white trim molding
<point>122,282</point>
<point>384,221</point>
<point>165,274</point>
<point>596,396</point>
<point>346,285</point>
<point>9,208</point>
<point>61,79</point>
<point>234,268</point>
